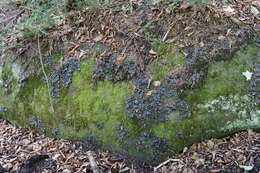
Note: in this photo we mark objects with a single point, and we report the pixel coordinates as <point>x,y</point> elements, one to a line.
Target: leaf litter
<point>24,150</point>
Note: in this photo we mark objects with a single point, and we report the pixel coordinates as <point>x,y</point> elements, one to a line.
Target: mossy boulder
<point>146,114</point>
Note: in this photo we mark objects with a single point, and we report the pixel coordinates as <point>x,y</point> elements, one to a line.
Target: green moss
<point>80,108</point>
<point>9,77</point>
<point>89,106</point>
<point>218,108</point>
<point>224,78</point>
<point>70,133</point>
<point>169,57</point>
<point>9,89</point>
<point>180,133</point>
<point>58,57</point>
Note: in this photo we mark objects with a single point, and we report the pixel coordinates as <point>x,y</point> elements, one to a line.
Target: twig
<point>168,31</point>
<point>2,11</point>
<point>93,163</point>
<point>45,75</point>
<point>164,163</point>
<point>11,18</point>
<point>8,20</point>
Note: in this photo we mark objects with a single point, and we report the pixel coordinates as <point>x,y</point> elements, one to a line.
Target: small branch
<point>2,11</point>
<point>168,31</point>
<point>10,19</point>
<point>45,75</point>
<point>164,163</point>
<point>6,21</point>
<point>93,163</point>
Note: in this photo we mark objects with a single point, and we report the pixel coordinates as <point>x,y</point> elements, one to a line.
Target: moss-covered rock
<point>148,115</point>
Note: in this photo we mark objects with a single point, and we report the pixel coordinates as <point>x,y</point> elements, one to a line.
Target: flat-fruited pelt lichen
<point>60,76</point>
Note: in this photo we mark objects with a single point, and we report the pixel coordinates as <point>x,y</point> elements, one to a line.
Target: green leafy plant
<point>197,3</point>
<point>84,3</point>
<point>41,15</point>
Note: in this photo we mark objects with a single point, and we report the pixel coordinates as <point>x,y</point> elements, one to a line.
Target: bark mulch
<point>23,150</point>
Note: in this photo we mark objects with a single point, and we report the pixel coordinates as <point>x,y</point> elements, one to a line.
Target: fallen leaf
<point>228,10</point>
<point>156,83</point>
<point>246,168</point>
<point>98,38</point>
<point>153,52</point>
<point>248,75</point>
<point>254,11</point>
<point>210,144</point>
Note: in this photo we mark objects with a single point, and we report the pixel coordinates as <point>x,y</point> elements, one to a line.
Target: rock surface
<point>144,120</point>
<point>126,100</point>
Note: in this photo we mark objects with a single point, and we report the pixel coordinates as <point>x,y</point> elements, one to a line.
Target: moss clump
<point>98,109</point>
<point>169,57</point>
<point>81,108</point>
<point>224,78</point>
<point>9,83</point>
<point>58,57</point>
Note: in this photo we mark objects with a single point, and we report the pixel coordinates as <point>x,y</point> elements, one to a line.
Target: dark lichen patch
<point>2,108</point>
<point>254,86</point>
<point>51,61</point>
<point>151,105</point>
<point>153,146</point>
<point>141,142</point>
<point>36,123</point>
<point>114,70</point>
<point>61,76</point>
<point>169,57</point>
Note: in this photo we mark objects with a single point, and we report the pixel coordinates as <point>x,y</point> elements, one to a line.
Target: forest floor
<point>178,24</point>
<point>237,154</point>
